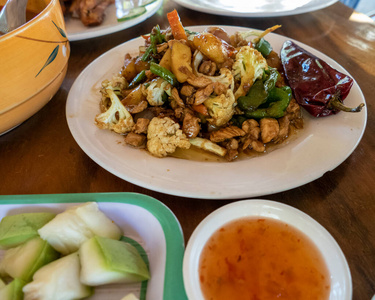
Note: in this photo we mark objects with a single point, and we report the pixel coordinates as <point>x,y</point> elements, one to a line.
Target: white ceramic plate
<point>144,220</point>
<point>251,8</point>
<point>321,146</point>
<point>77,31</point>
<point>341,283</point>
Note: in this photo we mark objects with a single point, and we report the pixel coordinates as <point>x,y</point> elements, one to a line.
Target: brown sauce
<point>262,259</point>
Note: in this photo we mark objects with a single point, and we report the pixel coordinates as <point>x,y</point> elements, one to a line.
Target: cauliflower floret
<point>225,77</point>
<point>164,136</point>
<point>118,84</point>
<point>221,108</point>
<point>157,92</point>
<point>248,67</point>
<point>116,117</point>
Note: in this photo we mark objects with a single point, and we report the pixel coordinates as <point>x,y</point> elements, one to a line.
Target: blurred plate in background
<point>77,31</point>
<point>268,8</point>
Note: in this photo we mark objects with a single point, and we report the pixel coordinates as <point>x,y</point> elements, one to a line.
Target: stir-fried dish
<point>222,93</point>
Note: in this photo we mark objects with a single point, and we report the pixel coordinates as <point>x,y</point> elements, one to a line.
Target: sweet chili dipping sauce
<point>261,259</point>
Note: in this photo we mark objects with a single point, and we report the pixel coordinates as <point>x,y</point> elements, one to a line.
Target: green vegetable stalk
<point>156,37</point>
<point>141,76</point>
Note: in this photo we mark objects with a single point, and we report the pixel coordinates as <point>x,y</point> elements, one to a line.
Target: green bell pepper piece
<point>255,97</point>
<point>271,80</point>
<point>280,99</point>
<point>263,47</point>
<point>258,93</point>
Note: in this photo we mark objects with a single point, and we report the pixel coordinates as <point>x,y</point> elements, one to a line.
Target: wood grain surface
<point>41,157</point>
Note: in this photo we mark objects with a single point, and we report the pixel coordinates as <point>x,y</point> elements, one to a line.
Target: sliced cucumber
<point>146,2</point>
<point>106,261</point>
<point>124,14</point>
<point>16,229</point>
<point>59,280</point>
<point>24,260</point>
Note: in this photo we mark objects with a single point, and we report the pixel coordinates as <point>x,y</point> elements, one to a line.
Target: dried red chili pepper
<point>316,86</point>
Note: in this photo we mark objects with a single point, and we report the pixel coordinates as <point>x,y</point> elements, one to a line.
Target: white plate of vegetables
<point>77,31</point>
<point>319,147</point>
<point>92,246</point>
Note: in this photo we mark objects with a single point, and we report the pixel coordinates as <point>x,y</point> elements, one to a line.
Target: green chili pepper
<point>263,47</point>
<point>163,73</point>
<point>258,93</point>
<point>138,79</point>
<point>280,100</point>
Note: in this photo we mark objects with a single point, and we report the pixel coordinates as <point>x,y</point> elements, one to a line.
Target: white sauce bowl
<point>341,282</point>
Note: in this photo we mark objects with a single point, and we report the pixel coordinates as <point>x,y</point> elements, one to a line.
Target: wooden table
<point>41,156</point>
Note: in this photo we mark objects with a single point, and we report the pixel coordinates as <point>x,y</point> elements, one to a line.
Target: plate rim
<point>175,245</point>
<point>243,207</point>
<point>223,12</point>
<point>207,194</point>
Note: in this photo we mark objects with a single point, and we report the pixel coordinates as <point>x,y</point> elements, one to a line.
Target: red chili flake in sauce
<point>262,259</point>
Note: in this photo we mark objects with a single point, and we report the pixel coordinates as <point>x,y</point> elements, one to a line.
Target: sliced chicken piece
<point>177,98</point>
<point>269,129</point>
<point>251,139</point>
<point>226,133</point>
<point>141,125</point>
<point>284,129</point>
<point>195,81</point>
<point>203,94</point>
<point>190,125</point>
